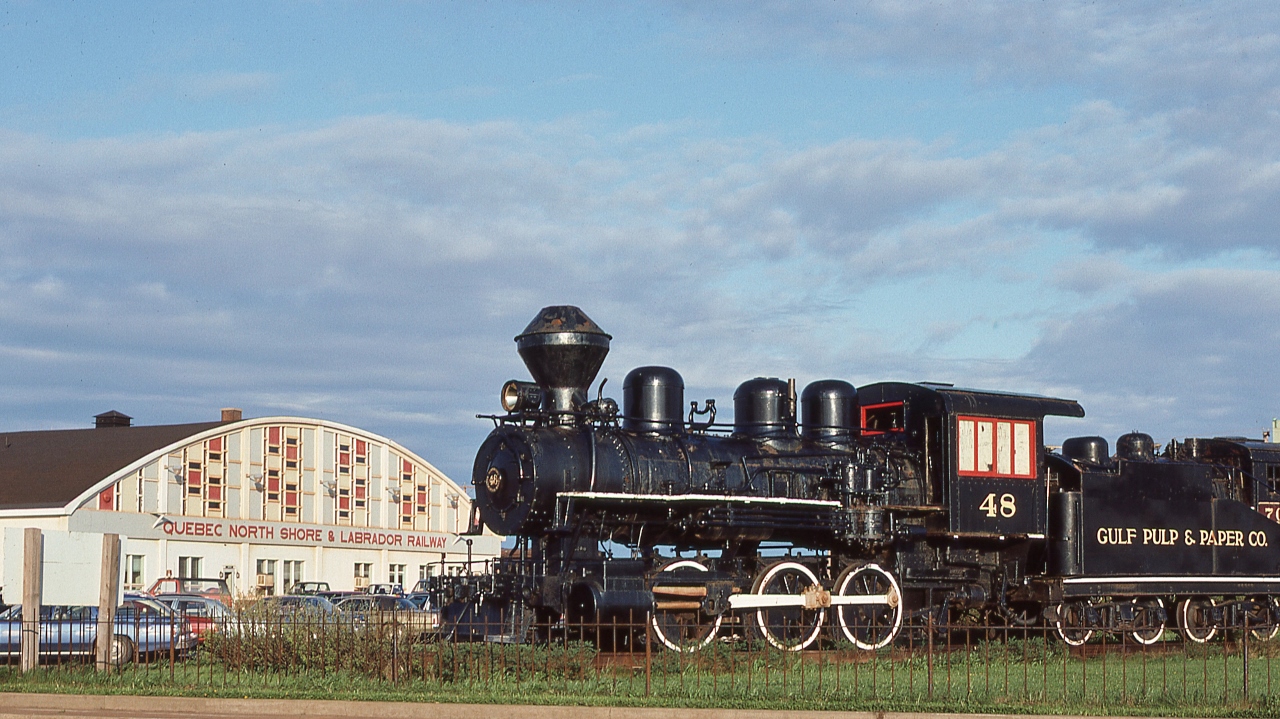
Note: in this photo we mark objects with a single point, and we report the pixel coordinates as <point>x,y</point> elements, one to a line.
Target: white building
<point>262,502</point>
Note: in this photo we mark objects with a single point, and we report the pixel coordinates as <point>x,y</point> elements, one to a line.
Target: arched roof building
<point>262,502</point>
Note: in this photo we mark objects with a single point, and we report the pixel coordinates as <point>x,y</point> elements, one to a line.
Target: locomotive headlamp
<point>520,396</point>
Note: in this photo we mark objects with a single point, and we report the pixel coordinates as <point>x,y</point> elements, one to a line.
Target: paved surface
<point>122,707</point>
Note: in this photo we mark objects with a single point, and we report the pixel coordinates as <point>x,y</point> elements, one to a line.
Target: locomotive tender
<point>886,501</point>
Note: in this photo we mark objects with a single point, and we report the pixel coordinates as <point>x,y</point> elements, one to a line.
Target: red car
<point>205,587</point>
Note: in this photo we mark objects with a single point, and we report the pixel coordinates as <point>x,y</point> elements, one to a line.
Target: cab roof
<point>962,400</point>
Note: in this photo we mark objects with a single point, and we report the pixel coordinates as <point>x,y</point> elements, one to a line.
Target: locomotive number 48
<point>1002,507</point>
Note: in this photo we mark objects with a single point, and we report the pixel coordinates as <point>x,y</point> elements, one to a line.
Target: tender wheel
<point>1196,621</point>
<point>1261,621</point>
<point>1072,623</point>
<point>788,628</point>
<point>1149,618</point>
<point>120,652</point>
<point>681,626</point>
<point>869,626</point>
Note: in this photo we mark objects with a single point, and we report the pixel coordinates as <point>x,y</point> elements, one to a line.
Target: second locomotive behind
<point>875,503</point>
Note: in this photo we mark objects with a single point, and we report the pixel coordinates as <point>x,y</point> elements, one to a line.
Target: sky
<point>348,210</point>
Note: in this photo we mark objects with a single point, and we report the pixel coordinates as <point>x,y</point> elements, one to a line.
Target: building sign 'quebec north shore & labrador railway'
<point>303,535</point>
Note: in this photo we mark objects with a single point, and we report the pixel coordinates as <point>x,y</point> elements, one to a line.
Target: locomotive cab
<point>981,450</point>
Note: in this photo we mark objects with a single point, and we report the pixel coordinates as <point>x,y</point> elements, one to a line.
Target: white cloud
<point>1189,353</point>
<point>374,269</point>
<point>229,85</point>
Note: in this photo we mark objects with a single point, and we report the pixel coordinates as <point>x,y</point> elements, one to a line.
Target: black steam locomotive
<point>886,501</point>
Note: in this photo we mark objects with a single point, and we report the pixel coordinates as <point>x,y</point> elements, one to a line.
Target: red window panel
<point>273,435</point>
<point>360,492</point>
<point>291,498</point>
<point>273,484</point>
<point>291,452</point>
<point>344,503</point>
<point>407,509</point>
<point>407,467</point>
<point>215,444</point>
<point>107,498</point>
<point>994,447</point>
<point>193,477</point>
<point>361,446</point>
<point>215,492</point>
<point>344,458</point>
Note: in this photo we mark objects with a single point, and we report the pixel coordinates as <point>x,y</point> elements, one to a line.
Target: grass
<point>1017,676</point>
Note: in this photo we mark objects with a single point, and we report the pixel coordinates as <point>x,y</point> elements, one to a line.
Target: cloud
<point>1172,142</point>
<point>374,269</point>
<point>239,86</point>
<point>1186,354</point>
<point>1156,54</point>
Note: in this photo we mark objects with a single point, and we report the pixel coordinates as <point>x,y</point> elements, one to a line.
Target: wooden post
<point>108,591</point>
<point>32,574</point>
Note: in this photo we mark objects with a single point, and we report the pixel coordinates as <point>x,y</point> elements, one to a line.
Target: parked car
<point>394,590</point>
<point>388,611</point>
<point>337,595</point>
<point>271,614</point>
<point>308,588</point>
<point>204,586</point>
<point>292,608</point>
<point>143,628</point>
<point>203,614</point>
<point>421,600</point>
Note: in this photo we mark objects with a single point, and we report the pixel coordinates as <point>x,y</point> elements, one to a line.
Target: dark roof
<point>961,399</point>
<point>51,468</point>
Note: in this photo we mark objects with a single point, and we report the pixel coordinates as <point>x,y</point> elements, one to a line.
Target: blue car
<point>143,628</point>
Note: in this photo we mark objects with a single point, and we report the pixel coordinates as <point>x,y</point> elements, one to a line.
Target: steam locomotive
<point>875,504</point>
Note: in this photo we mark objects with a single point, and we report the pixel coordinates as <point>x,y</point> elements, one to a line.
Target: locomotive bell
<point>563,349</point>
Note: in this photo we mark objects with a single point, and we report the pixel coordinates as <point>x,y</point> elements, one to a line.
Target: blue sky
<point>347,210</point>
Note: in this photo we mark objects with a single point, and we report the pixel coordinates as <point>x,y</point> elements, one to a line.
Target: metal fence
<point>931,664</point>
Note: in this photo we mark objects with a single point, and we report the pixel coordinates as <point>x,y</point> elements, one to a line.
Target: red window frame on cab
<point>891,411</point>
<point>996,447</point>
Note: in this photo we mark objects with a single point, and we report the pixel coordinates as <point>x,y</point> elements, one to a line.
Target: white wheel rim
<point>760,618</point>
<point>1266,632</point>
<point>1137,636</point>
<point>715,626</point>
<point>1071,640</point>
<point>1184,613</point>
<point>894,627</point>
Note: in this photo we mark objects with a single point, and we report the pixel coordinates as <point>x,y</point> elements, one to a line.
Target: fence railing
<point>944,664</point>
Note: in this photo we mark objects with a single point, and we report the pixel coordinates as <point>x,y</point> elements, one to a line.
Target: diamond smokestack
<point>563,349</point>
